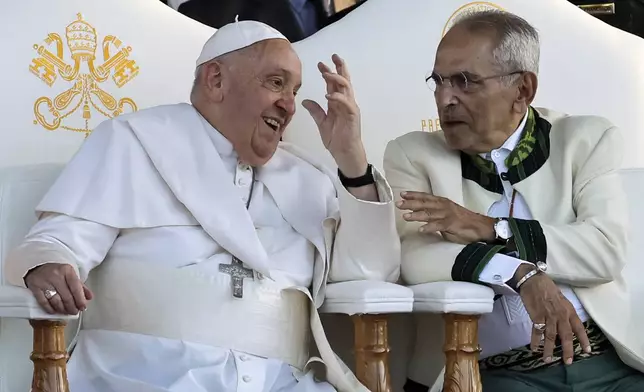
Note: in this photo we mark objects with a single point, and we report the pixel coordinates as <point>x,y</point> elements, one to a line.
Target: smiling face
<point>482,117</point>
<point>250,97</point>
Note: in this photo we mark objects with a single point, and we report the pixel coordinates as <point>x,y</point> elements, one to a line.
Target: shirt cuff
<point>499,270</point>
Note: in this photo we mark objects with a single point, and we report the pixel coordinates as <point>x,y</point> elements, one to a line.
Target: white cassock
<point>158,199</point>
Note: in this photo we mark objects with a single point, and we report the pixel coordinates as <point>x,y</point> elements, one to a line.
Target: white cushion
<point>452,297</point>
<point>367,297</point>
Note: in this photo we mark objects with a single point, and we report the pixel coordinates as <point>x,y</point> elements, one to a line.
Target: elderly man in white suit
<point>527,201</point>
<point>212,242</point>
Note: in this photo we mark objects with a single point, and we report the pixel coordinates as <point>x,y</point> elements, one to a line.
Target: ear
<point>212,80</point>
<point>527,89</point>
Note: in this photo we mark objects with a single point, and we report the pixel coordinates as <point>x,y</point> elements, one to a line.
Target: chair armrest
<point>453,297</point>
<point>369,302</point>
<point>18,302</point>
<point>367,297</point>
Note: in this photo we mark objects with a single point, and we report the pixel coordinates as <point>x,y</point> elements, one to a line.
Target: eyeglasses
<point>461,81</point>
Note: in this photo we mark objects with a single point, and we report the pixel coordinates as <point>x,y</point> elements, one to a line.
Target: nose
<point>445,96</point>
<point>287,103</point>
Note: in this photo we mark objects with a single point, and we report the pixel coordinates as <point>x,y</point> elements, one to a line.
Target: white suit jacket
<point>571,186</point>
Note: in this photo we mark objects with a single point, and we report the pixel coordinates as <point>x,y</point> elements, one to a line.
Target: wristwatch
<point>502,230</point>
<point>356,182</point>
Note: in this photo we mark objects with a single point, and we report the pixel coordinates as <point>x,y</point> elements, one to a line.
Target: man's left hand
<point>456,223</point>
<point>340,126</point>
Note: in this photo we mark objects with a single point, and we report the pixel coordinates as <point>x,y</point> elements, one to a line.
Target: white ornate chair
<point>389,48</point>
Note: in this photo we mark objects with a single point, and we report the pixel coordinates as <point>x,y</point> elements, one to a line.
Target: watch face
<point>502,229</point>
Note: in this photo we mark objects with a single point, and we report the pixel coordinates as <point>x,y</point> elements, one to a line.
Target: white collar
<point>223,146</point>
<point>512,141</point>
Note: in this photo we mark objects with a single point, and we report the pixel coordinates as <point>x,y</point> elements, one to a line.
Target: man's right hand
<point>547,305</point>
<point>71,294</point>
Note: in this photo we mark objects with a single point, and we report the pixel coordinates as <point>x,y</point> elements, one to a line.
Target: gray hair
<point>195,83</point>
<point>228,58</point>
<point>199,70</point>
<point>517,46</point>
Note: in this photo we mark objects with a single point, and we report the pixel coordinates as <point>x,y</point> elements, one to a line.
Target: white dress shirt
<point>509,325</point>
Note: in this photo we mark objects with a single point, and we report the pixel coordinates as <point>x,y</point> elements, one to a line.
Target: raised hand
<point>456,223</point>
<point>58,289</point>
<point>339,127</point>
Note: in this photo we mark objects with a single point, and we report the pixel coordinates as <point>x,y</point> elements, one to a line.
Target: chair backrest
<point>633,183</point>
<point>21,188</point>
<point>77,63</point>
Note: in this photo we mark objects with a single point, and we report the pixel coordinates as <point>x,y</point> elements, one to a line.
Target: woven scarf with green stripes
<point>523,149</point>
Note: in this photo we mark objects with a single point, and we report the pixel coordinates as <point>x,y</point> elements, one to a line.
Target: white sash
<point>270,321</point>
<point>184,304</point>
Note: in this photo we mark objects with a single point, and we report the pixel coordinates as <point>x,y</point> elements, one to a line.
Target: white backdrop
<point>587,67</point>
<point>164,46</point>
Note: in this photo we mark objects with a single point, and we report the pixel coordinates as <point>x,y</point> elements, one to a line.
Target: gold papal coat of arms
<point>82,74</point>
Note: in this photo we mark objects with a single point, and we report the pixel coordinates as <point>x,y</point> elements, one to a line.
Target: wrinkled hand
<point>547,305</point>
<point>72,295</point>
<point>340,126</point>
<point>457,224</point>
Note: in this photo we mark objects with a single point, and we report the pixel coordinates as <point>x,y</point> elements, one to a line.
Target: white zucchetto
<point>235,36</point>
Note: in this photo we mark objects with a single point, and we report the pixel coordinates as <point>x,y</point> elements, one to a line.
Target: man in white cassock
<point>209,241</point>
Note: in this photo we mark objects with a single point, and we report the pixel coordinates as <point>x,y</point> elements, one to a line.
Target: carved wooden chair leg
<point>461,354</point>
<point>372,351</point>
<point>49,356</point>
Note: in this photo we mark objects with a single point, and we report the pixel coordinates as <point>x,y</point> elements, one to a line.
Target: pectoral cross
<point>237,273</point>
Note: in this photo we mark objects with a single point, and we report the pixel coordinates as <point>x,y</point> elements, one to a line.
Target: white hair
<point>517,46</point>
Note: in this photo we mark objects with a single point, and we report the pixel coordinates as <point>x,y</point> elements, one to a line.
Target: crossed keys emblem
<point>84,75</point>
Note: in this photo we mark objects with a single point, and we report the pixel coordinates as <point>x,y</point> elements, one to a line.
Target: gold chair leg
<point>49,356</point>
<point>372,352</point>
<point>461,354</point>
